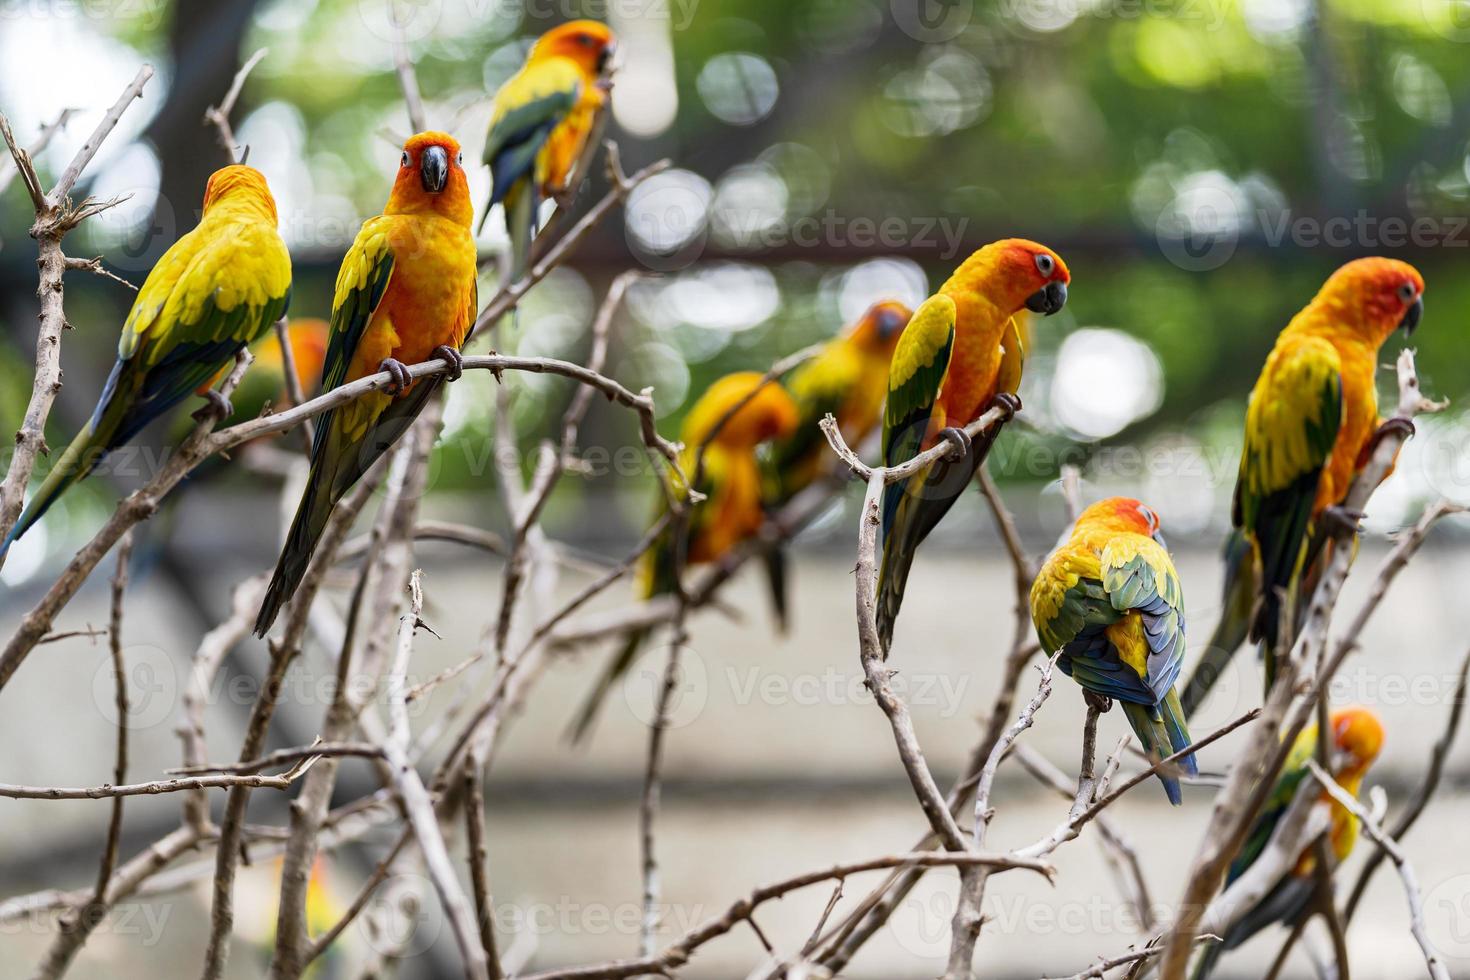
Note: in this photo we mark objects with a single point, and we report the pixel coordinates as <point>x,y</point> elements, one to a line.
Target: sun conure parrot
<point>848,379</point>
<point>406,293</point>
<point>1110,600</point>
<point>731,510</point>
<point>1357,738</point>
<point>215,290</point>
<point>961,353</point>
<point>1310,427</point>
<point>540,123</point>
<point>264,384</point>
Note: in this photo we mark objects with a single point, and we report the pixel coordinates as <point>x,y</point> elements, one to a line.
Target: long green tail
<point>311,519</point>
<point>1161,731</point>
<point>1237,601</point>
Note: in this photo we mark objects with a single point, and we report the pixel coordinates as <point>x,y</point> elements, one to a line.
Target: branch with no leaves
<point>218,116</point>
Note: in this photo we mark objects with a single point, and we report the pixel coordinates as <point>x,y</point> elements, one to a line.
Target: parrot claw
<point>453,358</point>
<point>1342,520</point>
<point>399,371</point>
<point>1007,402</point>
<point>958,438</point>
<point>1102,703</point>
<point>217,406</point>
<point>1396,424</point>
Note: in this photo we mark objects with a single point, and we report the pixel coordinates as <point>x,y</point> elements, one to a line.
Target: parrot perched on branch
<point>848,379</point>
<point>264,383</point>
<point>1357,738</point>
<point>1310,427</point>
<point>406,293</point>
<point>731,510</point>
<point>961,354</point>
<point>543,119</point>
<point>214,291</point>
<point>1110,600</point>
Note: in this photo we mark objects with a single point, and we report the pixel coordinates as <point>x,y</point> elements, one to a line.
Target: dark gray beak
<point>1158,537</point>
<point>1412,315</point>
<point>1048,299</point>
<point>605,59</point>
<point>434,168</point>
<point>890,323</point>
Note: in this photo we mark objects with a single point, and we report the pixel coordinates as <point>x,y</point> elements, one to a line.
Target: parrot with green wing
<point>731,510</point>
<point>542,120</point>
<point>961,354</point>
<point>1357,738</point>
<point>1311,425</point>
<point>847,379</point>
<point>214,291</point>
<point>1111,602</point>
<point>406,293</point>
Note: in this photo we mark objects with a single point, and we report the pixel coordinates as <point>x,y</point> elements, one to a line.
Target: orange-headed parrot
<point>848,379</point>
<point>731,511</point>
<point>214,291</point>
<point>962,352</point>
<point>406,293</point>
<point>540,123</point>
<point>1110,600</point>
<point>1310,427</point>
<point>1357,737</point>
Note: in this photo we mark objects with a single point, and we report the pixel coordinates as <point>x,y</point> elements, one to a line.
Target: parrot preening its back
<point>1310,427</point>
<point>1110,600</point>
<point>406,293</point>
<point>962,352</point>
<point>214,291</point>
<point>1357,738</point>
<point>540,123</point>
<point>731,511</point>
<point>848,379</point>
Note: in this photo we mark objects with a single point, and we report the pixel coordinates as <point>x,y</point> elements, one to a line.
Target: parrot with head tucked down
<point>961,354</point>
<point>731,510</point>
<point>1357,738</point>
<point>542,120</point>
<point>406,293</point>
<point>1110,600</point>
<point>1310,427</point>
<point>847,379</point>
<point>214,291</point>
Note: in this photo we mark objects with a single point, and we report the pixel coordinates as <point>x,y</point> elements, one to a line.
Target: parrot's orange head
<point>768,414</point>
<point>880,327</point>
<point>238,184</point>
<point>1016,273</point>
<point>1123,515</point>
<point>1358,735</point>
<point>1389,292</point>
<point>431,178</point>
<point>589,43</point>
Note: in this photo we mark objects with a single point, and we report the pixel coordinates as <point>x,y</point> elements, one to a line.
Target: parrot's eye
<point>1148,516</point>
<point>585,40</point>
<point>459,158</point>
<point>1044,263</point>
<point>404,161</point>
<point>1407,292</point>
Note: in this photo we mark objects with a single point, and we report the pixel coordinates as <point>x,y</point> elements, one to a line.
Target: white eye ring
<point>1407,292</point>
<point>404,162</point>
<point>1044,263</point>
<point>459,158</point>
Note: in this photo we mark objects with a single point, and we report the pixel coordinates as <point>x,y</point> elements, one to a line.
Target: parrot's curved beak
<point>605,58</point>
<point>434,168</point>
<point>1048,299</point>
<point>1412,315</point>
<point>890,322</point>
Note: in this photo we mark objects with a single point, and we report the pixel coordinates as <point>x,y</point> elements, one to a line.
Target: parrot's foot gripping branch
<point>401,379</point>
<point>1344,521</point>
<point>1102,703</point>
<point>1007,402</point>
<point>216,406</point>
<point>1399,424</point>
<point>958,438</point>
<point>453,358</point>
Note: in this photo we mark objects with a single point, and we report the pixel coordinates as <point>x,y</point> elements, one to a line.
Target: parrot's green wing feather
<point>527,108</point>
<point>820,388</point>
<point>361,282</point>
<point>1277,803</point>
<point>915,378</point>
<point>1138,575</point>
<point>1292,425</point>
